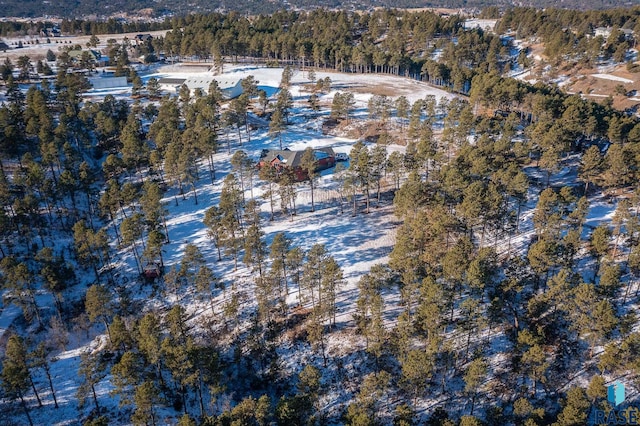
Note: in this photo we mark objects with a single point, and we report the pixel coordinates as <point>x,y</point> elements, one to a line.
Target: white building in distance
<point>231,88</point>
<point>487,25</point>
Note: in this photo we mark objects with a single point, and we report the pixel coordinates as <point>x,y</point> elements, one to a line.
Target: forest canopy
<point>82,8</point>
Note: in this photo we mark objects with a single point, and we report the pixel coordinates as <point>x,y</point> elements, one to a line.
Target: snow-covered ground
<point>357,243</point>
<point>612,78</point>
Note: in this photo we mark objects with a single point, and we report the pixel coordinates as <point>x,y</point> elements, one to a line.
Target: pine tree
<point>280,246</point>
<point>151,205</point>
<point>417,370</point>
<point>316,333</point>
<point>308,165</point>
<point>596,391</point>
<point>599,244</point>
<point>134,151</point>
<point>534,359</point>
<point>284,102</point>
<point>241,165</point>
<point>590,166</point>
<point>176,357</point>
<point>330,283</point>
<point>361,167</point>
<point>255,251</point>
<point>575,408</point>
<point>126,374</point>
<point>312,273</point>
<point>364,410</point>
<point>148,336</point>
<point>98,305</point>
<point>38,359</point>
<point>277,125</point>
<point>270,176</point>
<point>153,88</point>
<point>295,263</point>
<point>213,220</point>
<point>92,371</point>
<point>609,282</point>
<point>18,279</point>
<point>230,205</point>
<point>91,247</point>
<point>146,398</point>
<point>402,110</point>
<point>369,307</point>
<point>429,311</point>
<point>474,377</point>
<point>56,273</point>
<point>121,335</point>
<point>309,384</point>
<point>594,319</point>
<point>288,193</point>
<point>15,373</point>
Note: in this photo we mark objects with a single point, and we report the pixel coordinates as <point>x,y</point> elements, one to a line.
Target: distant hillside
<point>78,8</point>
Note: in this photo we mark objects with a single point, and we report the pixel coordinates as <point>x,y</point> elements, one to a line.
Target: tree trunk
<point>271,203</point>
<point>195,194</point>
<point>36,310</point>
<point>53,393</point>
<point>212,171</point>
<point>104,320</point>
<point>95,397</point>
<point>200,399</point>
<point>354,205</point>
<point>366,194</point>
<point>35,391</point>
<point>26,410</point>
<point>183,395</point>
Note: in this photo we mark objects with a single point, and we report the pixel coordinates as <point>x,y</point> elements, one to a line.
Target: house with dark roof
<point>94,56</point>
<point>292,160</point>
<point>50,32</point>
<point>142,38</point>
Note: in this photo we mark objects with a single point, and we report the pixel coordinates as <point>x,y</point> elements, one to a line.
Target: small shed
<point>151,271</point>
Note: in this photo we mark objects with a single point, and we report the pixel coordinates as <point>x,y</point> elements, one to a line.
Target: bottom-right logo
<point>616,416</point>
<point>615,393</point>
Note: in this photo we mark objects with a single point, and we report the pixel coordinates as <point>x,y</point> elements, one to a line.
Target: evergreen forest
<point>509,296</point>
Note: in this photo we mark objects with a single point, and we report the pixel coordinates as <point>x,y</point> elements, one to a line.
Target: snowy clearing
<point>612,77</point>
